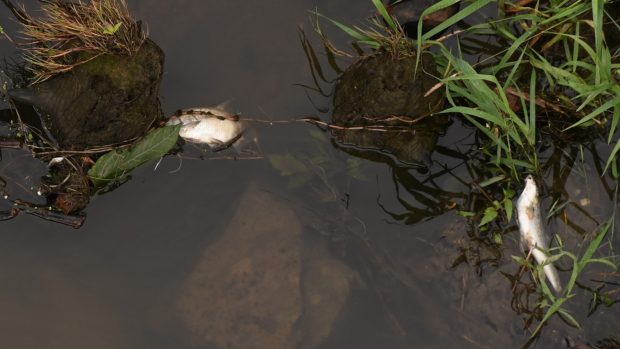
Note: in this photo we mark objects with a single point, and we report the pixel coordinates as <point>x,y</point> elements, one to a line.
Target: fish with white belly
<point>533,236</point>
<point>215,126</point>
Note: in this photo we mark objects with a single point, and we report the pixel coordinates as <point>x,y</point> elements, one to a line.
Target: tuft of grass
<point>548,64</point>
<point>70,34</point>
<point>484,102</point>
<point>376,35</point>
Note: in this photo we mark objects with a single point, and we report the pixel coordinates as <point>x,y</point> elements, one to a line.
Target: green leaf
<point>489,215</point>
<point>508,194</point>
<point>554,308</point>
<point>490,181</point>
<point>569,318</point>
<point>522,261</point>
<point>607,262</point>
<point>117,163</point>
<point>466,214</point>
<point>112,29</point>
<point>497,237</point>
<point>508,207</point>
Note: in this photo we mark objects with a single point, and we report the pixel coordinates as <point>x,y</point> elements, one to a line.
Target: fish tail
<point>550,271</point>
<point>552,275</point>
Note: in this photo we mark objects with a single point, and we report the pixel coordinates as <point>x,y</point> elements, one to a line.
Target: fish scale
<point>533,235</point>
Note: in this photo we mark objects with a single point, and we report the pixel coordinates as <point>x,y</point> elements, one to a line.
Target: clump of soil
<point>108,100</point>
<point>389,92</point>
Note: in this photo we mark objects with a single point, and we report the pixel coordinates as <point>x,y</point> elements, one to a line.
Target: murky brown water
<point>378,249</point>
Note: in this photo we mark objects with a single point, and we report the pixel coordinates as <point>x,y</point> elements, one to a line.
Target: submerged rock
<point>326,284</point>
<point>107,100</point>
<point>388,91</point>
<point>259,286</point>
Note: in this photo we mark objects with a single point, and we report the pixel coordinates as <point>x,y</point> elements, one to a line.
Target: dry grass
<point>55,41</point>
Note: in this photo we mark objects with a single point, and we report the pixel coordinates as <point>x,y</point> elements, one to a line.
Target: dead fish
<point>533,236</point>
<point>213,126</point>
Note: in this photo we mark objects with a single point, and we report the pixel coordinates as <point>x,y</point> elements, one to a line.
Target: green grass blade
<point>569,318</point>
<point>459,16</point>
<point>531,135</point>
<point>554,308</point>
<point>604,261</point>
<point>598,111</point>
<point>384,13</point>
<point>357,35</point>
<point>597,20</point>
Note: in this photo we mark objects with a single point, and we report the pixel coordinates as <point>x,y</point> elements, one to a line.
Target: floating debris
<point>533,236</point>
<point>214,126</point>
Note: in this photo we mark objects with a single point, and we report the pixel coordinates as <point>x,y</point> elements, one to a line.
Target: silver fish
<point>533,235</point>
<point>214,126</point>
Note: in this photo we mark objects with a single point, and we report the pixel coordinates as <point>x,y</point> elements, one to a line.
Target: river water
<point>392,232</point>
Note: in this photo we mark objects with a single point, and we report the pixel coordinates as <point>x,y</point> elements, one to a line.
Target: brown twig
<point>521,271</point>
<point>40,151</point>
<point>378,127</point>
<point>401,118</point>
<point>10,214</point>
<point>47,214</point>
<point>10,144</point>
<point>437,86</point>
<point>539,101</point>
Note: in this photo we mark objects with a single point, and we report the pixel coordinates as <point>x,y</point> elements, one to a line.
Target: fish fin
<point>225,105</point>
<point>200,141</point>
<point>217,145</point>
<point>189,124</point>
<point>221,146</point>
